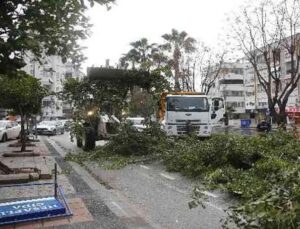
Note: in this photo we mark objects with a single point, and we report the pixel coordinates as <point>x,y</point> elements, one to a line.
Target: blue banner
<point>30,209</point>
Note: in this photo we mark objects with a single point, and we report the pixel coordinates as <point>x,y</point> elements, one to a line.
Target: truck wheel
<point>89,139</point>
<point>78,142</point>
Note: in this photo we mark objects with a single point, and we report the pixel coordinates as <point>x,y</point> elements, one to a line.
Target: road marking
<point>144,167</point>
<point>146,175</point>
<point>120,208</point>
<point>174,188</point>
<point>167,176</point>
<point>209,194</point>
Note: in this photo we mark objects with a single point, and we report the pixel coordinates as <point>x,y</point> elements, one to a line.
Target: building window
<point>235,104</point>
<point>46,103</point>
<point>288,67</point>
<point>276,55</point>
<point>68,75</point>
<point>228,81</point>
<point>234,93</point>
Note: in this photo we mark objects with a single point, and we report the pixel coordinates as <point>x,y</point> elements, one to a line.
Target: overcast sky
<point>130,20</point>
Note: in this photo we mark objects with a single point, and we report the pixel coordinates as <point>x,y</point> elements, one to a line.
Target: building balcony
<point>235,99</point>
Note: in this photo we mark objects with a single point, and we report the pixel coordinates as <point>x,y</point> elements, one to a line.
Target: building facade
<point>230,85</point>
<point>52,74</point>
<point>256,100</point>
<point>238,84</point>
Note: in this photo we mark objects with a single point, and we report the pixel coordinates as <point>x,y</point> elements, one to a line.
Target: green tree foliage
<point>144,56</point>
<point>178,44</point>
<point>108,89</point>
<point>141,104</point>
<point>152,59</point>
<point>22,93</point>
<point>42,27</point>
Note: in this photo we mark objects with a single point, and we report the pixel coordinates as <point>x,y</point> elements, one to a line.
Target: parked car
<point>66,123</point>
<point>50,127</point>
<point>9,130</point>
<point>138,123</point>
<point>263,126</point>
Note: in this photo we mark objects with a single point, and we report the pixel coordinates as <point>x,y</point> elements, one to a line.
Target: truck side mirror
<point>213,115</point>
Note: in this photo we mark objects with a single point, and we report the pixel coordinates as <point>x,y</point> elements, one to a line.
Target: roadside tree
<point>268,35</point>
<point>144,56</point>
<point>23,94</point>
<point>149,58</point>
<point>210,65</point>
<point>42,27</point>
<point>108,89</point>
<point>179,44</point>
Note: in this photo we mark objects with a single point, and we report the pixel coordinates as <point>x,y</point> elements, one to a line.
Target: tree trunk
<point>176,57</point>
<point>280,118</point>
<point>23,133</point>
<point>177,84</point>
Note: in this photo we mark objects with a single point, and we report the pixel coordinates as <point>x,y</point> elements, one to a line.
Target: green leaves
<point>42,27</point>
<point>22,93</point>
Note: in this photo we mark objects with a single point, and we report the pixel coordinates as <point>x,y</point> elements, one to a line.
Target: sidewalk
<point>45,163</point>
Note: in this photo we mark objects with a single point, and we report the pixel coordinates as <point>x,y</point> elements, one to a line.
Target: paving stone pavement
<point>78,209</point>
<point>45,163</point>
<point>88,210</point>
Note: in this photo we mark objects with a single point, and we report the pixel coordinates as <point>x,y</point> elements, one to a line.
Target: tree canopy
<point>109,88</point>
<point>178,44</point>
<point>23,94</point>
<point>42,27</point>
<point>144,56</point>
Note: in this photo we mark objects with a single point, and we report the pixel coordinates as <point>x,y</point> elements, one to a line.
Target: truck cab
<point>187,112</point>
<point>218,109</point>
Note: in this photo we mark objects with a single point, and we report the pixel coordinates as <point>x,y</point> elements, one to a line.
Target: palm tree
<point>158,56</point>
<point>141,54</point>
<point>132,57</point>
<point>178,44</point>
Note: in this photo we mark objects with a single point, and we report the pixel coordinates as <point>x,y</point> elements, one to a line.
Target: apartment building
<point>230,85</point>
<point>52,73</point>
<point>256,100</point>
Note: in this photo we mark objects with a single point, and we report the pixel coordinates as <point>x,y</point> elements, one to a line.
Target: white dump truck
<point>186,112</point>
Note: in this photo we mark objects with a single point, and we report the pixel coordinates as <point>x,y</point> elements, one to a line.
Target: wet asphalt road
<point>103,216</point>
<point>146,196</point>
